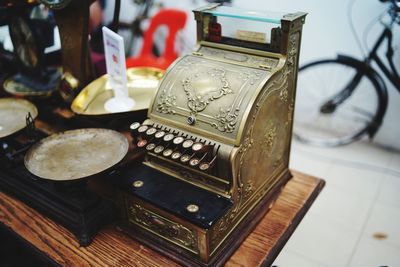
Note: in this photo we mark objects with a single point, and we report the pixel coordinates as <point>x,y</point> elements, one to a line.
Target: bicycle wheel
<point>319,82</point>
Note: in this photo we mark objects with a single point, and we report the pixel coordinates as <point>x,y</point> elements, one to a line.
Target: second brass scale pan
<point>76,154</point>
<point>13,114</point>
<point>142,84</point>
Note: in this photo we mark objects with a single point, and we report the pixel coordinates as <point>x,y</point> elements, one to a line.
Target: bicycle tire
<point>352,119</point>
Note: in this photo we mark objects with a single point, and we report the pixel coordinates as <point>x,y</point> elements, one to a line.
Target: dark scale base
<point>69,203</point>
<point>83,213</point>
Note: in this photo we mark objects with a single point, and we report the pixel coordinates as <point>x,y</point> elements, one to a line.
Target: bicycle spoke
<point>363,111</point>
<point>316,85</point>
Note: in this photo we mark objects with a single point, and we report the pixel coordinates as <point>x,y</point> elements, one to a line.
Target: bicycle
<point>344,113</point>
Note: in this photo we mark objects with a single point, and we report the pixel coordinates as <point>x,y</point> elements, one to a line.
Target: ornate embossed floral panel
<point>206,95</point>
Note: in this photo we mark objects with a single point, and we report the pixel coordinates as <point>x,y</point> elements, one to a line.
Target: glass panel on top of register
<point>233,26</point>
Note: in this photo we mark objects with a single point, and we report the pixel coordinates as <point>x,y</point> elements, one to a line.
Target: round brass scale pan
<point>19,89</point>
<point>142,84</point>
<point>16,88</point>
<point>13,114</point>
<point>76,154</point>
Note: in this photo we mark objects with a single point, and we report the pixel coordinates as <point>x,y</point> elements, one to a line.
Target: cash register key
<point>142,143</point>
<point>143,128</point>
<point>185,158</point>
<point>150,146</point>
<point>176,155</point>
<point>158,149</point>
<point>151,131</point>
<point>178,140</point>
<point>159,134</point>
<point>187,143</point>
<point>197,147</point>
<point>167,152</point>
<point>204,166</point>
<point>168,137</point>
<point>134,126</point>
<point>194,162</point>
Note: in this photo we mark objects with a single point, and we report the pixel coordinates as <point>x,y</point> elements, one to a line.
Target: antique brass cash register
<point>217,138</point>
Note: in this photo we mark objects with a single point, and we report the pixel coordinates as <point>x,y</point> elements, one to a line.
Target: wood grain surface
<point>113,248</point>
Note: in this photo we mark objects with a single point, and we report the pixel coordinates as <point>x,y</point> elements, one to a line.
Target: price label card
<point>116,70</point>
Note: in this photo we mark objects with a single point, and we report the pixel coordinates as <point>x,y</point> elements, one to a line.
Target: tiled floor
<point>355,221</point>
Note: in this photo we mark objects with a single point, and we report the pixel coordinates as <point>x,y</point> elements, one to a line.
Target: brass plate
<point>142,84</point>
<point>76,154</point>
<point>19,89</point>
<point>50,85</point>
<point>13,113</point>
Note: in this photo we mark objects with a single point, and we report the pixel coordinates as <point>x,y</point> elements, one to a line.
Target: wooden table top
<point>112,248</point>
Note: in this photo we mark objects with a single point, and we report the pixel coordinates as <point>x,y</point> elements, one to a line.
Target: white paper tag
<point>116,70</point>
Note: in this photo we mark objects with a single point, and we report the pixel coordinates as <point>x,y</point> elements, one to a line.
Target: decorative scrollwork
<point>162,226</point>
<point>248,189</point>
<point>283,95</point>
<point>196,100</point>
<point>290,66</point>
<point>226,120</point>
<point>290,113</point>
<point>269,138</point>
<point>252,76</point>
<point>166,102</point>
<point>281,83</point>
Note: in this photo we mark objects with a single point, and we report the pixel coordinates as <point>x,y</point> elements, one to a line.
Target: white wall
<point>326,33</point>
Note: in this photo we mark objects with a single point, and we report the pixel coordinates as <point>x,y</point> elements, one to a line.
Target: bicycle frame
<point>391,73</point>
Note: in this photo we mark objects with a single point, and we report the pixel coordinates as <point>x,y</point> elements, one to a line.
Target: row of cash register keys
<point>176,147</point>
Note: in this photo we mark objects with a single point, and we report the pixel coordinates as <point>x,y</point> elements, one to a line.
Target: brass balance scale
<point>50,170</point>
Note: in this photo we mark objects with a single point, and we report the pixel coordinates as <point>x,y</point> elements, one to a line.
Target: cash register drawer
<point>176,211</point>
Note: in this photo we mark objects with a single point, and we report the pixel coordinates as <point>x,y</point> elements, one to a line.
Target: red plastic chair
<point>174,20</point>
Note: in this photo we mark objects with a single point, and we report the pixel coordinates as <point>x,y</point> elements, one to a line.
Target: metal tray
<point>76,154</point>
<point>25,86</point>
<point>13,114</point>
<point>142,84</point>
